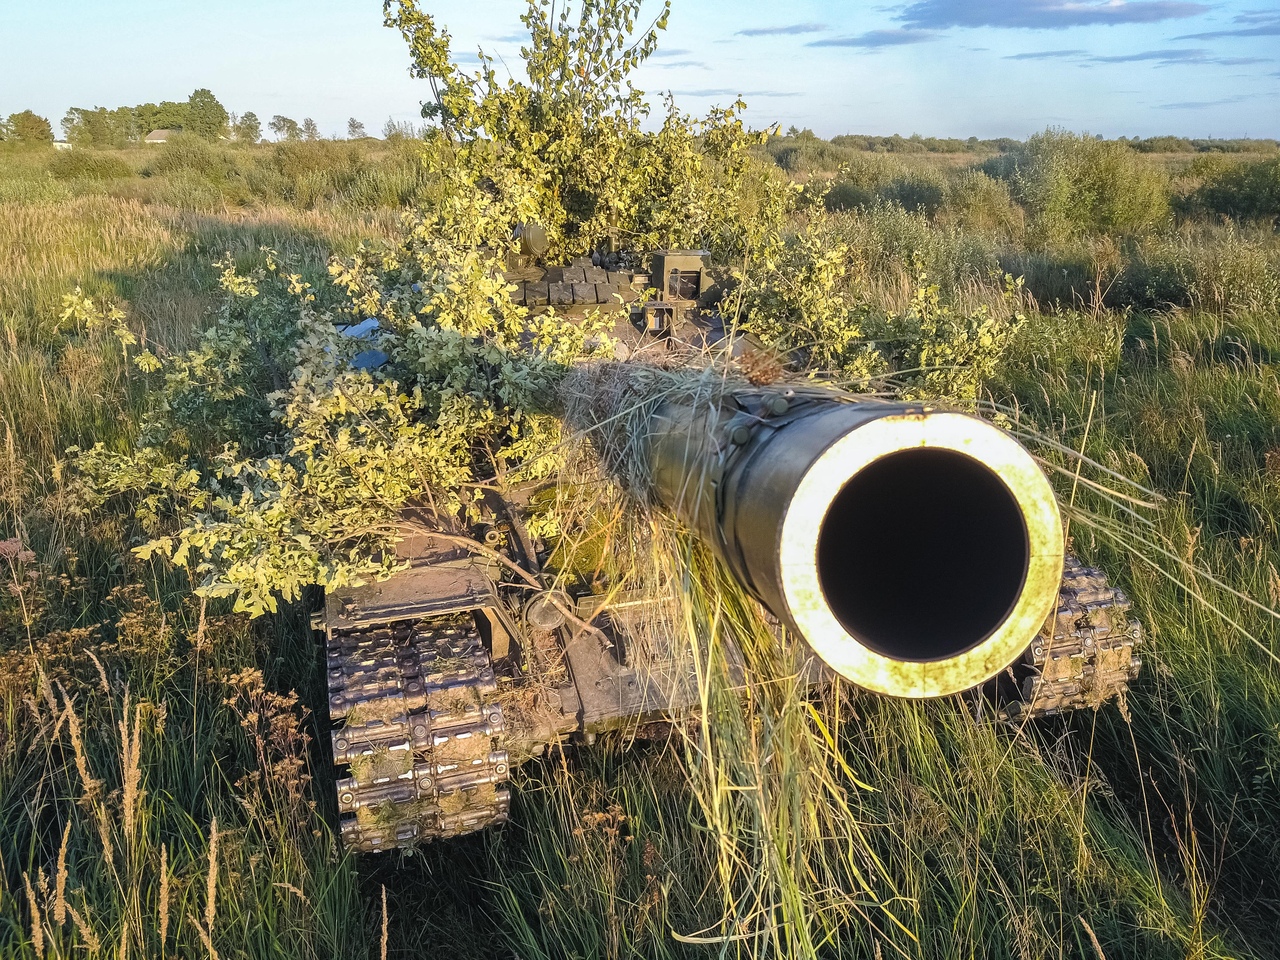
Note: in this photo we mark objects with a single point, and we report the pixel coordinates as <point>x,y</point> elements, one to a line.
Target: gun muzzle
<point>918,553</point>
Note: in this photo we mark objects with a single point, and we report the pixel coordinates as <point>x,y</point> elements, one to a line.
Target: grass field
<point>164,784</point>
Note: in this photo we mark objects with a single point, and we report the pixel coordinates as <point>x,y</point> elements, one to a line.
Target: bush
<point>891,243</point>
<point>1239,273</point>
<point>393,184</point>
<point>863,180</point>
<point>188,191</point>
<point>267,183</point>
<point>974,201</point>
<point>1224,271</point>
<point>88,165</point>
<point>806,154</point>
<point>943,354</point>
<point>303,174</point>
<point>192,155</point>
<point>799,303</point>
<point>918,192</point>
<point>1074,185</point>
<point>873,178</point>
<point>1243,191</point>
<point>847,195</point>
<point>310,173</point>
<point>316,160</point>
<point>1160,274</point>
<point>1211,165</point>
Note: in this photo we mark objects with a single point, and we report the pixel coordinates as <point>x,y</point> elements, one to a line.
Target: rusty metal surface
<point>417,592</point>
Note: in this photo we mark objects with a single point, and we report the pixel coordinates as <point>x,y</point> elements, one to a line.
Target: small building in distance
<point>160,136</point>
<point>61,145</point>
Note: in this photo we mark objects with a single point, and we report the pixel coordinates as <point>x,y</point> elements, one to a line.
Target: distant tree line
<point>918,144</point>
<point>200,115</point>
<point>203,116</point>
<point>1209,145</point>
<point>26,127</point>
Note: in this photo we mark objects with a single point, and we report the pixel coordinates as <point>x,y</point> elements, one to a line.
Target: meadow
<point>165,788</point>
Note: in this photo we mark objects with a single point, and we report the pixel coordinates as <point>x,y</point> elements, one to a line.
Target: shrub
<point>313,187</point>
<point>1211,165</point>
<point>975,201</point>
<point>187,190</point>
<point>943,354</point>
<point>807,154</point>
<point>1225,270</point>
<point>847,195</point>
<point>309,173</point>
<point>919,192</point>
<point>870,178</point>
<point>1160,274</point>
<point>862,179</point>
<point>1074,185</point>
<point>891,243</point>
<point>1244,191</point>
<point>88,165</point>
<point>798,302</point>
<point>1186,178</point>
<point>191,155</point>
<point>310,163</point>
<point>267,183</point>
<point>386,185</point>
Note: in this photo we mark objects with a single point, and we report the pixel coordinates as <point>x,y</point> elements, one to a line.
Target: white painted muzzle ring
<point>822,483</point>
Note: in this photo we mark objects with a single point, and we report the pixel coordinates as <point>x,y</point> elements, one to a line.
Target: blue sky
<point>938,67</point>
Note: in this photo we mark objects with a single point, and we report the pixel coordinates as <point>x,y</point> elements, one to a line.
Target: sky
<point>985,68</point>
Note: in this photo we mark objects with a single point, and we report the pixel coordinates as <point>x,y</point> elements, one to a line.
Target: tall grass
<point>155,791</point>
<point>793,820</point>
<point>193,174</point>
<point>1185,406</point>
<point>149,825</point>
<point>164,789</point>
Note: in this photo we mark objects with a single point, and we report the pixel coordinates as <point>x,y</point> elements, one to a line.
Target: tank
<point>917,553</point>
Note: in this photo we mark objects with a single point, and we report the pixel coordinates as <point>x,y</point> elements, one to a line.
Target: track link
<point>1084,655</point>
<point>415,725</point>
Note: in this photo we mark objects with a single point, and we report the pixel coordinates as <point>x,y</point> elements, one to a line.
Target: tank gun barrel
<point>917,552</point>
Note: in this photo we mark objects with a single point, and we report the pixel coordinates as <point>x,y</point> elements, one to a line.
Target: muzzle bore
<point>918,553</point>
<point>913,518</point>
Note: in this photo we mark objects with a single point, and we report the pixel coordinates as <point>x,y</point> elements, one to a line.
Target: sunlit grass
<point>782,819</point>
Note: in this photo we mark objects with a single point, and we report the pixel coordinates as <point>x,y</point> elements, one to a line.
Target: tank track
<point>418,721</point>
<point>1084,656</point>
<point>418,725</point>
